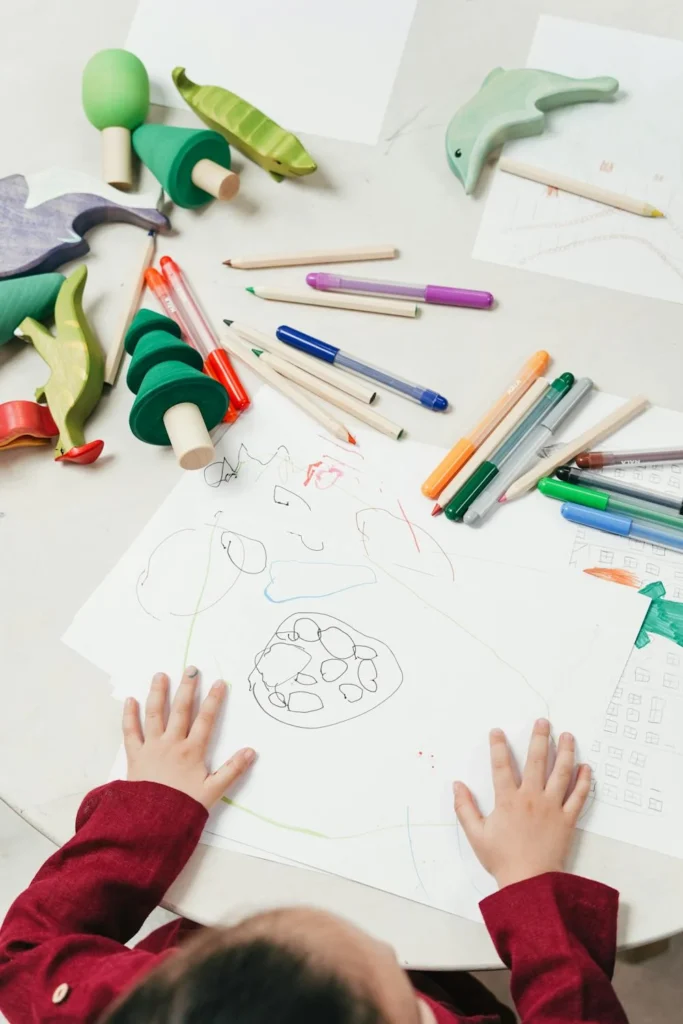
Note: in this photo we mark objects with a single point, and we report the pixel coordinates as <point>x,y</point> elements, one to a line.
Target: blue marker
<point>331,354</point>
<point>623,526</point>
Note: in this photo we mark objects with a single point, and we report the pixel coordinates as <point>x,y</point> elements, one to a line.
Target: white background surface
<point>64,527</point>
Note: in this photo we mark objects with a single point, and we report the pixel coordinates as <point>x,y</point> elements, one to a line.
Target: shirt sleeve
<point>69,928</point>
<point>557,934</point>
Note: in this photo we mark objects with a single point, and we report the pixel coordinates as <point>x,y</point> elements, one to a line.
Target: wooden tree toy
<point>76,363</point>
<point>116,100</point>
<point>176,403</point>
<point>27,296</point>
<point>191,164</point>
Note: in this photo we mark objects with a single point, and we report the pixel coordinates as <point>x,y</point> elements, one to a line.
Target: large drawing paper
<point>324,69</point>
<point>365,663</point>
<point>632,145</point>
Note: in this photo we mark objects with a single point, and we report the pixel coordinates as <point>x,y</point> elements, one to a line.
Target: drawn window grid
<point>652,738</point>
<point>630,733</point>
<point>632,715</point>
<point>610,725</point>
<point>673,659</point>
<point>616,752</point>
<point>637,759</point>
<point>635,698</point>
<point>631,797</point>
<point>633,779</point>
<point>655,804</point>
<point>610,792</point>
<point>612,772</point>
<point>671,681</point>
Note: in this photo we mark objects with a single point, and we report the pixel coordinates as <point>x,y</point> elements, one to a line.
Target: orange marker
<point>467,446</point>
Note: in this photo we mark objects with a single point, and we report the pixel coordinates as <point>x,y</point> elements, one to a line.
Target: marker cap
<point>609,522</point>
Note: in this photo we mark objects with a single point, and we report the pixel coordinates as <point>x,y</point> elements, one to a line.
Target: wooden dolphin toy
<point>510,105</point>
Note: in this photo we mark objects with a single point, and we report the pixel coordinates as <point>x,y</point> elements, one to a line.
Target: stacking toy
<point>192,164</point>
<point>176,403</point>
<point>76,363</point>
<point>116,100</point>
<point>27,296</point>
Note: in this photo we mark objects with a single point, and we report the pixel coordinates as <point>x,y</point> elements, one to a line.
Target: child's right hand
<point>173,752</point>
<point>531,827</point>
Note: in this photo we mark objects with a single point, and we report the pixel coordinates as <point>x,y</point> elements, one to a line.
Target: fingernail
<point>219,685</point>
<point>248,755</point>
<point>129,702</point>
<point>191,671</point>
<point>542,723</point>
<point>456,787</point>
<point>159,677</point>
<point>496,734</point>
<point>567,737</point>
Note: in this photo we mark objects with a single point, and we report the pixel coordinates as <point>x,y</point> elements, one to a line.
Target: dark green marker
<point>482,477</point>
<point>588,496</point>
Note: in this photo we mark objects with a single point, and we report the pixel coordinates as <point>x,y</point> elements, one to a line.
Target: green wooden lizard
<point>76,362</point>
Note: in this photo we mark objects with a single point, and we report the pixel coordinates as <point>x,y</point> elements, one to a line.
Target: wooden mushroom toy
<point>191,164</point>
<point>116,101</point>
<point>176,403</point>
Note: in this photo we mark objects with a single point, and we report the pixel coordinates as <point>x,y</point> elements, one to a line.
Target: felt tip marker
<point>435,293</point>
<point>608,503</point>
<point>622,526</point>
<point>586,478</point>
<point>331,354</point>
<point>596,460</point>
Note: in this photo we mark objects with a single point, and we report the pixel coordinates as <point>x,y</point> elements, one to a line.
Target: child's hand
<point>174,753</point>
<point>531,827</point>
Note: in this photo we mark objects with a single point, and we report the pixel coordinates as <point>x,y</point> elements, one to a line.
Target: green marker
<point>635,508</point>
<point>482,477</point>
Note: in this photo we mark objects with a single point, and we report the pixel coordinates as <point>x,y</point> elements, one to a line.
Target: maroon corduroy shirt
<point>62,952</point>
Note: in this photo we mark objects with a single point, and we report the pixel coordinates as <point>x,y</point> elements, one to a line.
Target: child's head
<point>297,966</point>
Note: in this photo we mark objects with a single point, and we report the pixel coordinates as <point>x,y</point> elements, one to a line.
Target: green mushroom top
<point>115,90</point>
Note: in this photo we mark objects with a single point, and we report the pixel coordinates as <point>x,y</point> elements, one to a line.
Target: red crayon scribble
<point>551,192</point>
<point>310,472</point>
<point>410,525</point>
<point>323,476</point>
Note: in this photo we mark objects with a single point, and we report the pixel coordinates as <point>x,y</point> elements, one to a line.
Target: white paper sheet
<point>632,145</point>
<point>325,69</point>
<point>421,652</point>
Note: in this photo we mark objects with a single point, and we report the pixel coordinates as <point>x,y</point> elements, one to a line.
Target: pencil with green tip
<point>459,504</point>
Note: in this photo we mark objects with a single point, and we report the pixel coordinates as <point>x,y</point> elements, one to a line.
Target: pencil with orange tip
<point>465,448</point>
<point>239,348</point>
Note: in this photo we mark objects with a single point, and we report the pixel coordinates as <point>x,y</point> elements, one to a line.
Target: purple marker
<point>420,292</point>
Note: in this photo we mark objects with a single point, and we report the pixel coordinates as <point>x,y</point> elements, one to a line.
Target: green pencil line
<point>324,835</point>
<point>201,595</point>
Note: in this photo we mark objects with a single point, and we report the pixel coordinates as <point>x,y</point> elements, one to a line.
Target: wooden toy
<point>246,128</point>
<point>44,216</point>
<point>25,424</point>
<point>116,101</point>
<point>510,105</point>
<point>76,363</point>
<point>27,296</point>
<point>191,164</point>
<point>176,403</point>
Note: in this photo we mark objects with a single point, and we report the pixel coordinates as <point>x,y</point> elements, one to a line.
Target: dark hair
<point>256,981</point>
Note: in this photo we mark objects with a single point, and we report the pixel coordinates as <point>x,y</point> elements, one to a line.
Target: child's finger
<point>155,706</point>
<point>183,702</point>
<point>202,727</point>
<point>501,764</point>
<point>561,775</point>
<point>132,729</point>
<point>577,798</point>
<point>469,815</point>
<point>230,772</point>
<point>536,767</point>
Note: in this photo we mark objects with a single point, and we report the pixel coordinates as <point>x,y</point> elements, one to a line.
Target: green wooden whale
<point>510,105</point>
<point>246,128</point>
<point>76,363</point>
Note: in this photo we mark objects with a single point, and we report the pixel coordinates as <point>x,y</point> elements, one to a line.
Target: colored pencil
<point>115,354</point>
<point>325,371</point>
<point>595,434</point>
<point>360,303</point>
<point>352,254</point>
<point>237,347</point>
<point>578,188</point>
<point>331,394</point>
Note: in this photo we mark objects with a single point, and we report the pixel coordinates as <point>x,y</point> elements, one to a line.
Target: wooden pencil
<point>237,347</point>
<point>300,259</point>
<point>482,453</point>
<point>333,395</point>
<point>115,354</point>
<point>325,371</point>
<point>336,300</point>
<point>578,188</point>
<point>590,437</point>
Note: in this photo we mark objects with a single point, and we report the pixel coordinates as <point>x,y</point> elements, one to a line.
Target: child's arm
<point>556,932</point>
<point>132,840</point>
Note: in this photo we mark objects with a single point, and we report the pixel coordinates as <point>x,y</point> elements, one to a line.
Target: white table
<point>63,527</point>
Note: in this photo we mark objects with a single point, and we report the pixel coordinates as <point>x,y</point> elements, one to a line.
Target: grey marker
<point>587,478</point>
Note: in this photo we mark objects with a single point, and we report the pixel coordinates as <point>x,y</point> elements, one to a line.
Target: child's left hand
<point>173,753</point>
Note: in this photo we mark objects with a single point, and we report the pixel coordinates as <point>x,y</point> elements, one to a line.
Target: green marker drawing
<point>664,618</point>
